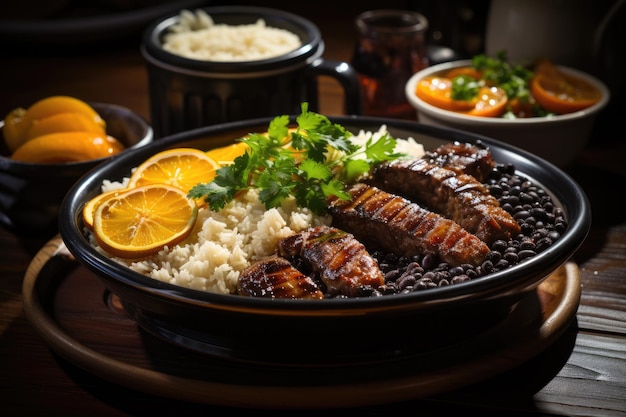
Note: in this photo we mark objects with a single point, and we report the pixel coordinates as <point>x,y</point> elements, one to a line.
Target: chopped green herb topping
<point>312,162</point>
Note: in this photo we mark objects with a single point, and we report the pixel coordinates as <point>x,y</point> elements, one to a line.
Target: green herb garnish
<point>319,162</point>
<point>513,79</point>
<point>464,87</point>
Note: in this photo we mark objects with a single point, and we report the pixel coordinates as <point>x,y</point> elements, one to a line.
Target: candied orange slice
<point>63,122</point>
<point>180,167</point>
<point>143,220</point>
<point>12,129</point>
<point>20,120</point>
<point>60,147</point>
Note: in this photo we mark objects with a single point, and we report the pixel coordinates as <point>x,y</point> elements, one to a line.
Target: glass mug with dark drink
<point>390,48</point>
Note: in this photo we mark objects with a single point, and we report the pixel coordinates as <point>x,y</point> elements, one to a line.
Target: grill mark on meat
<point>275,277</point>
<point>463,158</point>
<point>385,221</point>
<point>342,262</point>
<point>459,197</point>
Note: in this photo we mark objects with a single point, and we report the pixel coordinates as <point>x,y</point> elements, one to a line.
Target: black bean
<point>543,244</point>
<point>511,257</point>
<point>460,278</point>
<point>392,275</point>
<point>522,214</point>
<point>500,245</point>
<point>502,264</point>
<point>429,261</point>
<point>526,198</point>
<point>406,281</point>
<point>525,254</point>
<point>456,271</point>
<point>488,266</point>
<point>494,256</point>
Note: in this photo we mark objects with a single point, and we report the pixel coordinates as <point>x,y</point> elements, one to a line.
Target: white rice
<point>224,243</point>
<point>197,36</point>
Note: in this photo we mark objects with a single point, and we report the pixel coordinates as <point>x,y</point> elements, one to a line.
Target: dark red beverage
<point>389,50</point>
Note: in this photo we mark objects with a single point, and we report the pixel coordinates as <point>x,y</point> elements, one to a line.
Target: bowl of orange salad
<point>547,109</point>
<point>47,145</point>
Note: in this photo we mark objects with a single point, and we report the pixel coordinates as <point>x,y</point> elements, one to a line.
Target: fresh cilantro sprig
<point>311,163</point>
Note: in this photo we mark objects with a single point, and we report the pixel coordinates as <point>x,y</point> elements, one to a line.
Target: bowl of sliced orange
<point>544,108</point>
<point>48,145</point>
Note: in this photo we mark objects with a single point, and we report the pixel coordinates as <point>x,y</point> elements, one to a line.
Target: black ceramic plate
<point>63,299</point>
<point>298,331</point>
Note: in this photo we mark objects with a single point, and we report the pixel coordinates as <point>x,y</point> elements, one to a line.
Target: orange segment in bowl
<point>63,147</point>
<point>143,220</point>
<point>60,104</point>
<point>20,120</point>
<point>12,129</point>
<point>63,122</point>
<point>180,167</point>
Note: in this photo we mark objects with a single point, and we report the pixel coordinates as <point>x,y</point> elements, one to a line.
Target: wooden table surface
<point>592,381</point>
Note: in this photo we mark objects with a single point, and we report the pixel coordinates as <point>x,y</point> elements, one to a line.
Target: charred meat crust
<point>459,197</point>
<point>464,158</point>
<point>275,277</point>
<point>392,223</point>
<point>343,263</point>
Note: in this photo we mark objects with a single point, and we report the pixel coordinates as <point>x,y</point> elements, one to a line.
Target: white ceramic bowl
<point>557,139</point>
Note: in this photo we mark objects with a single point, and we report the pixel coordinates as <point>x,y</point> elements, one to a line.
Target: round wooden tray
<point>82,322</point>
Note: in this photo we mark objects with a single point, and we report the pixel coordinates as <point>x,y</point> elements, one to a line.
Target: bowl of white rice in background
<point>187,295</point>
<point>229,63</point>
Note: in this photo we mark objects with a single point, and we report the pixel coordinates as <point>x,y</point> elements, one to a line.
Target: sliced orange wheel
<point>143,220</point>
<point>90,208</point>
<point>491,102</point>
<point>437,91</point>
<point>561,93</point>
<point>180,167</point>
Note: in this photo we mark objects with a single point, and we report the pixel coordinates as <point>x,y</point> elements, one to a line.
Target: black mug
<point>191,93</point>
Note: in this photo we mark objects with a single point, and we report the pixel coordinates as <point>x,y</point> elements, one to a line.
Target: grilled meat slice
<point>342,262</point>
<point>459,197</point>
<point>275,277</point>
<point>389,222</point>
<point>464,158</point>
